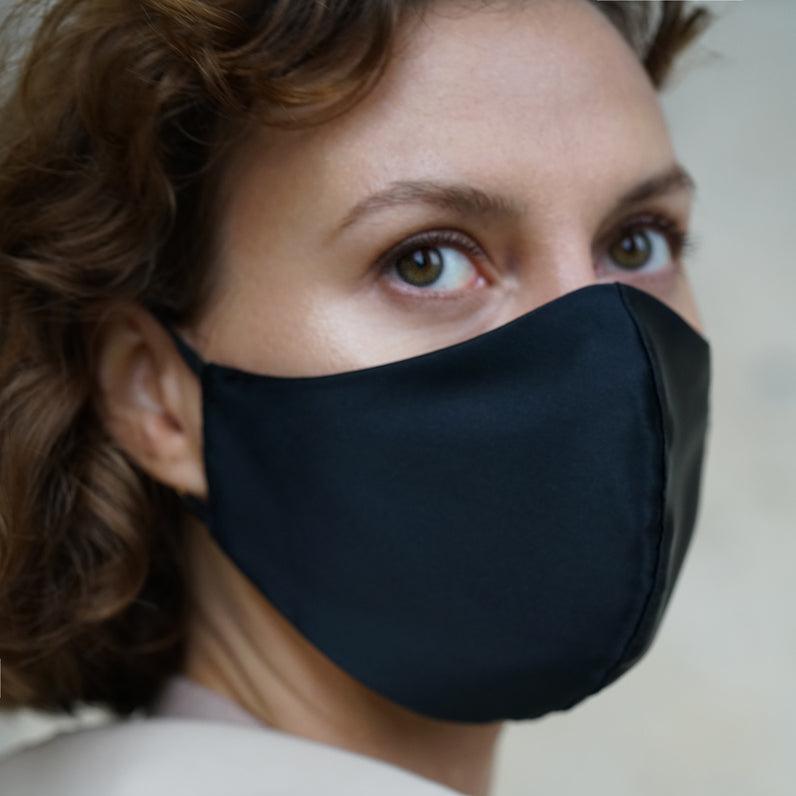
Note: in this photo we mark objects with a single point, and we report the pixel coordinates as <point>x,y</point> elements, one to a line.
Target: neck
<point>262,663</point>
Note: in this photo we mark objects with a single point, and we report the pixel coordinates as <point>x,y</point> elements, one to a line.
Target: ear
<point>149,400</point>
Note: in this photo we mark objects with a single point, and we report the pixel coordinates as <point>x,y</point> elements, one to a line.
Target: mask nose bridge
<point>190,356</point>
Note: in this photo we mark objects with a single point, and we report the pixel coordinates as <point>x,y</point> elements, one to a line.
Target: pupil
<point>633,251</point>
<point>421,267</point>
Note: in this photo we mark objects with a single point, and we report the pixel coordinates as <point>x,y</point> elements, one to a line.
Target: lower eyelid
<point>427,294</point>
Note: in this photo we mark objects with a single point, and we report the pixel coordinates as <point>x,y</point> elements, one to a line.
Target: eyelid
<point>429,238</point>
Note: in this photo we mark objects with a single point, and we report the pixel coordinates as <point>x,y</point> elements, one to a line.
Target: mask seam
<point>665,437</point>
<point>608,677</point>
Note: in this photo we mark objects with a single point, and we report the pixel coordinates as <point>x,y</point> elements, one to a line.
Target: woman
<point>352,390</point>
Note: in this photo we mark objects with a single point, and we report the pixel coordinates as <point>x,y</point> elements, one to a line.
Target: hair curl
<point>116,119</point>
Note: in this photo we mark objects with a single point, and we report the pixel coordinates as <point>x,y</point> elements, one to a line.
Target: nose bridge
<point>559,264</point>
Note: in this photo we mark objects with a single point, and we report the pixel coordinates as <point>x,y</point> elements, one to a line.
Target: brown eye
<point>437,263</point>
<point>651,245</point>
<point>632,251</point>
<point>420,267</point>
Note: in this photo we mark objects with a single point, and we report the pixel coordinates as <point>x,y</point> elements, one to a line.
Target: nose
<point>548,276</point>
<point>564,267</point>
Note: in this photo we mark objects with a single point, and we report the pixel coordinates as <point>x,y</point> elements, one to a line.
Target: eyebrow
<point>469,200</point>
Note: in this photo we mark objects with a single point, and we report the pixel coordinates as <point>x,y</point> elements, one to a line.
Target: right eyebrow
<point>461,198</point>
<point>469,200</point>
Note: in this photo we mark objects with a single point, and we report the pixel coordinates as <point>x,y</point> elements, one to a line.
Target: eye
<point>437,262</point>
<point>648,245</point>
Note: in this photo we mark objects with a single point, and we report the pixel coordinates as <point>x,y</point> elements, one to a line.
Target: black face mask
<point>490,530</point>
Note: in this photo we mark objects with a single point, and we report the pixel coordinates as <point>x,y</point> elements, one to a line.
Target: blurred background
<point>711,709</point>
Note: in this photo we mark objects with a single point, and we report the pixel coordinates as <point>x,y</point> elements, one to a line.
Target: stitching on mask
<point>657,382</point>
<point>608,677</point>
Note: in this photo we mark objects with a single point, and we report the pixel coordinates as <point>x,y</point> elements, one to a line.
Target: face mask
<point>491,530</point>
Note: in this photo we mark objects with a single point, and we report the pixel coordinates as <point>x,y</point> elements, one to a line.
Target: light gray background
<point>712,708</point>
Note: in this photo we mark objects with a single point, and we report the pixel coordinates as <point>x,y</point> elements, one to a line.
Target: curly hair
<point>117,118</point>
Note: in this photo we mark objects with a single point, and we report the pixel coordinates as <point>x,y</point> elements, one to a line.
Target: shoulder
<point>171,756</point>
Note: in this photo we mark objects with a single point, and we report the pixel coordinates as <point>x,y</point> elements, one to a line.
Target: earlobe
<point>148,400</point>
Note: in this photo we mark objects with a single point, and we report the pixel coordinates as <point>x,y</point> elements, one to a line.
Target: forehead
<point>527,95</point>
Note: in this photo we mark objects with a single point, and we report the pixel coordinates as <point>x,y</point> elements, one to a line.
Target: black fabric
<point>487,531</point>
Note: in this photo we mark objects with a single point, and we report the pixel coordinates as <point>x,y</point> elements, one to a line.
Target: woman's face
<point>541,105</point>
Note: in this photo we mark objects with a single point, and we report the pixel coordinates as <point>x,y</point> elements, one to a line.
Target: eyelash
<point>680,241</point>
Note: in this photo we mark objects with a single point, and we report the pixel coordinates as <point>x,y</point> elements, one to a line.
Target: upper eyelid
<point>641,218</point>
<point>630,221</point>
<point>427,238</point>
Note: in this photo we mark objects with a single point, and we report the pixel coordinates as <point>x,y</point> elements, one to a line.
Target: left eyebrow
<point>675,178</point>
<point>470,200</point>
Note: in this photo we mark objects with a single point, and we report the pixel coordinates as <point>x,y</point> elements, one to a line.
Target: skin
<point>543,101</point>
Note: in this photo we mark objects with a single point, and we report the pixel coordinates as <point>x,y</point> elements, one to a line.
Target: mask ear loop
<point>189,355</point>
<point>198,507</point>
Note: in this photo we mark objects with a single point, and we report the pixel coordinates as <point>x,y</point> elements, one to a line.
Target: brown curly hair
<point>117,118</point>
